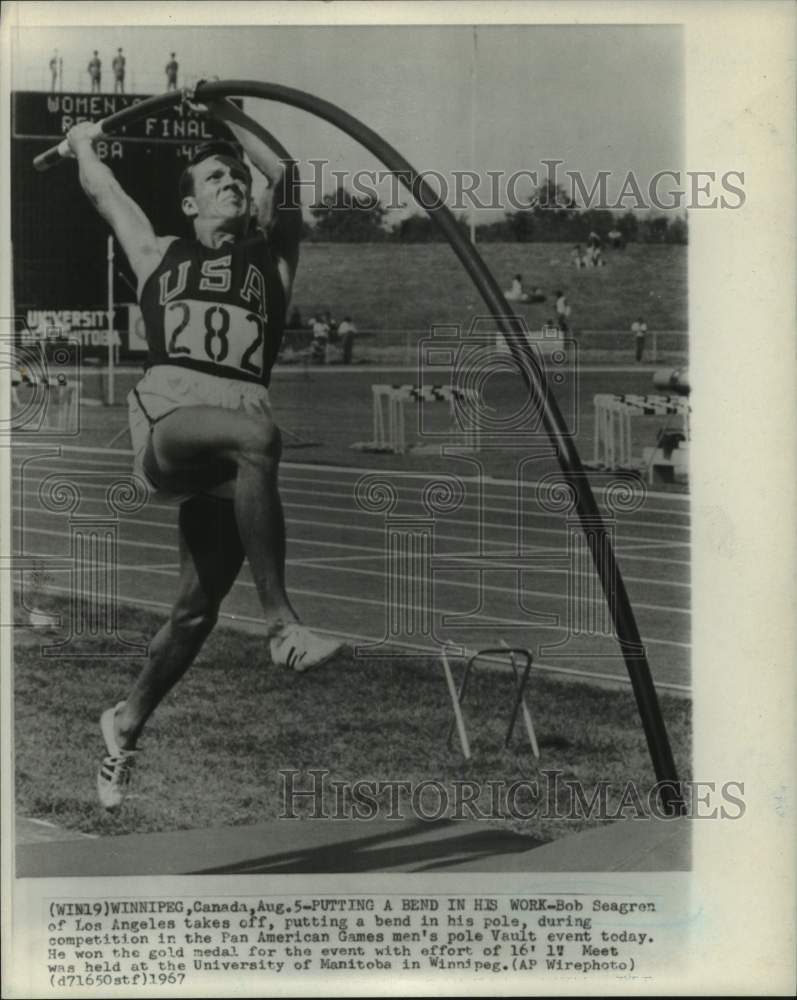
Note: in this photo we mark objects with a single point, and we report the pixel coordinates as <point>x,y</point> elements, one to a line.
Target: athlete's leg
<point>197,447</point>
<point>210,559</point>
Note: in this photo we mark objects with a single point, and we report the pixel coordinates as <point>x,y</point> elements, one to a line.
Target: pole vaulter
<point>528,365</point>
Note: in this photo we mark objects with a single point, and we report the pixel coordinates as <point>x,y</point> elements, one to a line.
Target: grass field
<point>213,750</point>
<point>413,286</point>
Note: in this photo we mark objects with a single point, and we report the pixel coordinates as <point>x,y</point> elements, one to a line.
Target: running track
<point>337,562</point>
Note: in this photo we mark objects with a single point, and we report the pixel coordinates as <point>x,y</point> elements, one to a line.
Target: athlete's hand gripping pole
<point>63,151</point>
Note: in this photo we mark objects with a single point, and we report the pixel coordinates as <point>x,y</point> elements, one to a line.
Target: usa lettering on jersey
<point>221,333</point>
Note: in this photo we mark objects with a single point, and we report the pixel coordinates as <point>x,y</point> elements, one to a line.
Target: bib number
<point>225,335</point>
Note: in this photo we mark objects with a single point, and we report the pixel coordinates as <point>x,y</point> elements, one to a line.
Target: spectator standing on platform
<point>118,66</point>
<point>95,73</point>
<point>171,73</point>
<point>347,331</point>
<point>54,71</point>
<point>639,328</point>
<point>562,312</point>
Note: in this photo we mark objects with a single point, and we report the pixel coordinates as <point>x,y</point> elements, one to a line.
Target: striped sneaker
<point>113,777</point>
<point>298,648</point>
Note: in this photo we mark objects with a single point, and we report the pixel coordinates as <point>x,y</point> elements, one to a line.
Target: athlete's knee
<point>194,621</point>
<point>260,442</point>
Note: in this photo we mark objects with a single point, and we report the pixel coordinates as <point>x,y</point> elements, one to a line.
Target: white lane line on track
<point>490,588</point>
<point>122,459</point>
<point>380,574</point>
<point>598,603</point>
<point>312,487</point>
<point>444,521</point>
<point>615,369</point>
<point>489,508</point>
<point>341,371</point>
<point>429,650</point>
<point>313,490</point>
<point>678,498</point>
<point>511,508</point>
<point>643,544</point>
<point>322,561</point>
<point>622,543</point>
<point>467,557</point>
<point>441,536</point>
<point>474,621</point>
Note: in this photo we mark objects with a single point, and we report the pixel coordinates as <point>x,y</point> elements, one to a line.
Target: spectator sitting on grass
<point>516,293</point>
<point>562,312</point>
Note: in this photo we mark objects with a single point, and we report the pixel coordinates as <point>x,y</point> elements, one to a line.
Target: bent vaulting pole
<point>534,376</point>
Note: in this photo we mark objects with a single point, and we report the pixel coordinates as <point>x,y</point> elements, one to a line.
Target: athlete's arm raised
<point>280,209</point>
<point>131,227</point>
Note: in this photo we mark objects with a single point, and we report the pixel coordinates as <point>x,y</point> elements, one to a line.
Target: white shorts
<point>164,389</point>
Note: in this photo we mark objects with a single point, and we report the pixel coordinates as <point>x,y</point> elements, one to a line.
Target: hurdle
<point>519,701</point>
<point>390,423</point>
<point>612,433</point>
<point>59,411</point>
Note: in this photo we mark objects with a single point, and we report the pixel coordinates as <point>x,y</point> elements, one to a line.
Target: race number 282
<point>224,334</point>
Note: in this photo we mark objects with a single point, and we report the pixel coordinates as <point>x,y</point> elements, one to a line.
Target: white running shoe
<point>113,777</point>
<point>298,648</point>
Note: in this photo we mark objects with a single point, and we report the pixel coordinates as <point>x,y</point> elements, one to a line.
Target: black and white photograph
<point>383,607</point>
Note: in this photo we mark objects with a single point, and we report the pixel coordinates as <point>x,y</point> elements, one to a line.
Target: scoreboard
<point>38,115</point>
<point>59,240</point>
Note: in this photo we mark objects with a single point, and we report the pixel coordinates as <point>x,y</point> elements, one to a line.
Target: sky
<point>597,97</point>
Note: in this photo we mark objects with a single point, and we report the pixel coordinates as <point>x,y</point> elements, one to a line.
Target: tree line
<point>549,216</point>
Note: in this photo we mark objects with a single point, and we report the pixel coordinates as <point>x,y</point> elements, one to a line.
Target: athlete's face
<point>222,191</point>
